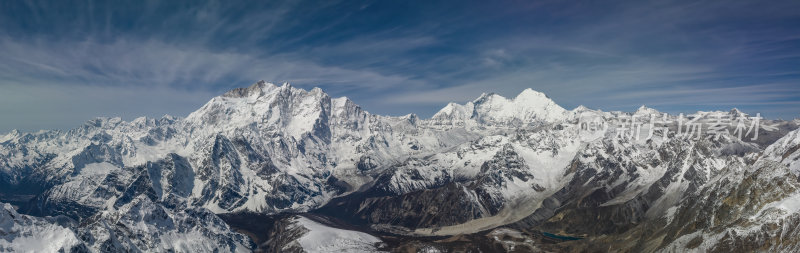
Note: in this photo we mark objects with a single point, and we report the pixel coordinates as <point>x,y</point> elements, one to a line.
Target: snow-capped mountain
<point>529,107</point>
<point>516,166</point>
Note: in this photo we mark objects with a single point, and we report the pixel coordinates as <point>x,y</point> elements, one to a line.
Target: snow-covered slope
<point>144,225</point>
<point>277,149</point>
<point>23,233</point>
<point>321,238</point>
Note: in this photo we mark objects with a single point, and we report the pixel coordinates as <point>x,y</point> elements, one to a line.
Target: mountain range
<point>281,169</point>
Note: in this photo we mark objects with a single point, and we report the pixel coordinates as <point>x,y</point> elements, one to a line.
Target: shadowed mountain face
<point>494,174</point>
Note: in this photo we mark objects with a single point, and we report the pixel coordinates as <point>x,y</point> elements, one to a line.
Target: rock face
<point>524,165</point>
<point>151,226</point>
<point>747,204</point>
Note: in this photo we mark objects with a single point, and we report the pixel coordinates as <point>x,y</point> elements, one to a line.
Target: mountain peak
<point>486,97</point>
<point>258,88</point>
<point>737,113</point>
<point>455,111</point>
<point>530,97</point>
<point>644,110</point>
<point>286,109</point>
<point>9,136</point>
<point>581,108</point>
<point>529,93</point>
<point>528,106</point>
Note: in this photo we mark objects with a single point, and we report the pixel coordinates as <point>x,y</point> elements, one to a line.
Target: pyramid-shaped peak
<point>529,93</point>
<point>581,108</point>
<point>530,97</point>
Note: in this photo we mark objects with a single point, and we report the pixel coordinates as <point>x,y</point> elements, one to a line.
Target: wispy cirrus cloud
<point>393,57</point>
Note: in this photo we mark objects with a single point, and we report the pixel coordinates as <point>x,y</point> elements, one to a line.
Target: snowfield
<point>324,239</point>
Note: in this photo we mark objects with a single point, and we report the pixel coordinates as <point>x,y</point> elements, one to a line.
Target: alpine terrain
<point>272,168</point>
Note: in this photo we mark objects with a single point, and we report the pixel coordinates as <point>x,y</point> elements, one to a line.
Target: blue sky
<point>65,62</point>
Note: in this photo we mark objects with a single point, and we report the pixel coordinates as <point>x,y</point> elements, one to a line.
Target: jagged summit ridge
<point>257,88</point>
<point>527,105</point>
<point>265,105</point>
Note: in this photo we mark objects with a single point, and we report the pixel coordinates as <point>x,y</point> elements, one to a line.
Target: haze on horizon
<point>63,63</point>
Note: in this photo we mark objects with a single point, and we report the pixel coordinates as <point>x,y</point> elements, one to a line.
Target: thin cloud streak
<point>397,58</point>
